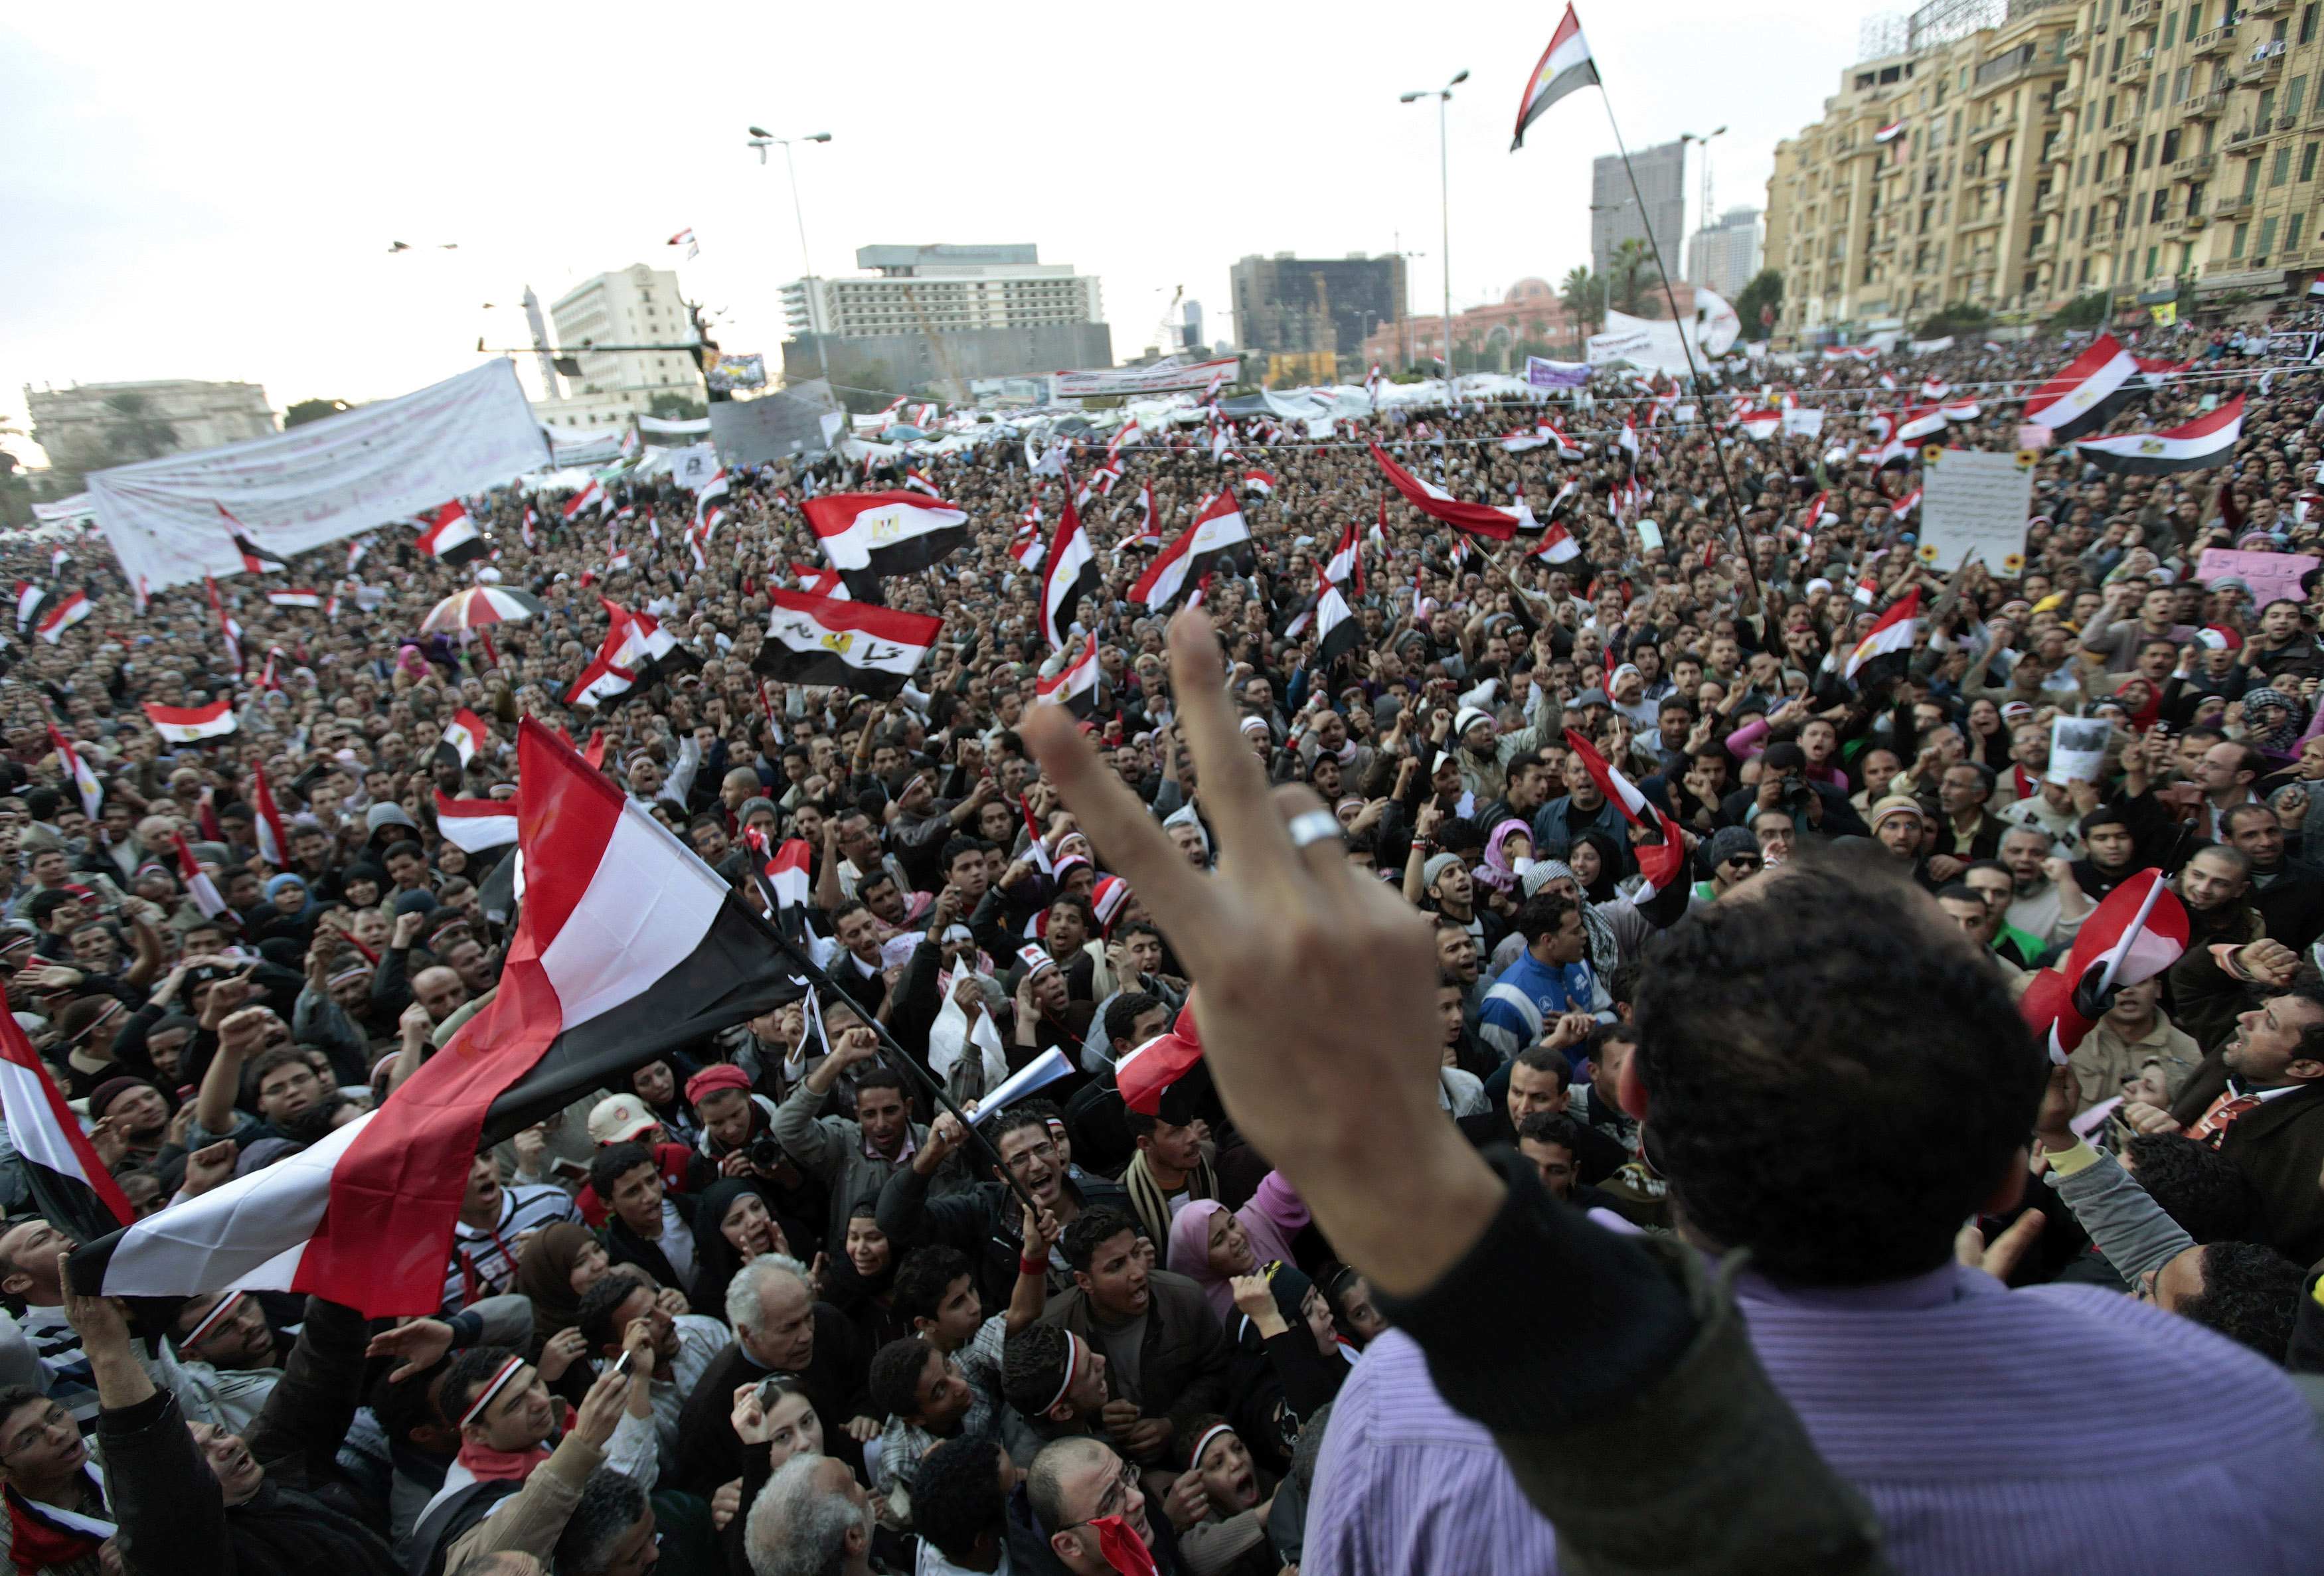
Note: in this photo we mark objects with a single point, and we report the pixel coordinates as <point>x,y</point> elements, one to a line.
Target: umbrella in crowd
<point>465,612</point>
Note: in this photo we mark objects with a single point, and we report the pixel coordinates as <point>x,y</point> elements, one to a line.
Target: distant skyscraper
<point>1310,305</point>
<point>1614,216</point>
<point>1192,319</point>
<point>1725,256</point>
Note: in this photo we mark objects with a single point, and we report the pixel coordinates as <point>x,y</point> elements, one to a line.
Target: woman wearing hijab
<point>2276,722</point>
<point>290,912</point>
<point>734,1224</point>
<point>1289,1358</point>
<point>555,1270</point>
<point>860,1280</point>
<point>1596,872</point>
<point>1210,1245</point>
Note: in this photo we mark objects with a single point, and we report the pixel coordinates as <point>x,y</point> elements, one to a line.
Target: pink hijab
<point>1189,1249</point>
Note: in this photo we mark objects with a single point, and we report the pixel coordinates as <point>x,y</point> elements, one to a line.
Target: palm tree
<point>1631,277</point>
<point>1584,296</point>
<point>135,433</point>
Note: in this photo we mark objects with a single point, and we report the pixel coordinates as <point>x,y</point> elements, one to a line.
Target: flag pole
<point>893,1052</point>
<point>1686,346</point>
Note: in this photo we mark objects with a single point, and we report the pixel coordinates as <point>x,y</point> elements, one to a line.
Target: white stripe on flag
<point>639,919</point>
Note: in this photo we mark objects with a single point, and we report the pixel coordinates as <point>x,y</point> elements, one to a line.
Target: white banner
<point>319,483</point>
<point>1804,421</point>
<point>1194,375</point>
<point>1976,501</point>
<point>692,467</point>
<point>656,424</point>
<point>1654,342</point>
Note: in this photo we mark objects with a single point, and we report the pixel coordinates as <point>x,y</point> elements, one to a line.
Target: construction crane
<point>1165,332</point>
<point>936,346</point>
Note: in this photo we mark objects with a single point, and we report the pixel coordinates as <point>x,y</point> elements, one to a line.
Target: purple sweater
<point>1995,1433</point>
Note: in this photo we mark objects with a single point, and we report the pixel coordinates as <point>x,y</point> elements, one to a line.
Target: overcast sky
<point>196,194</point>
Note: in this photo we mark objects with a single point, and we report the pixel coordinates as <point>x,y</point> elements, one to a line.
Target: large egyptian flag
<point>1069,573</point>
<point>2205,442</point>
<point>605,679</point>
<point>1564,66</point>
<point>2087,390</point>
<point>626,946</point>
<point>1073,687</point>
<point>1219,530</point>
<point>476,825</point>
<point>867,534</point>
<point>74,607</point>
<point>1887,645</point>
<point>1482,518</point>
<point>69,1184</point>
<point>857,646</point>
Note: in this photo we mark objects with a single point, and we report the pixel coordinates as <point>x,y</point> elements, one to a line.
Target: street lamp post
<point>760,139</point>
<point>1704,222</point>
<point>1443,96</point>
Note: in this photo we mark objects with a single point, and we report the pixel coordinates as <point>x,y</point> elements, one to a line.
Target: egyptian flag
<point>273,838</point>
<point>2207,441</point>
<point>885,533</point>
<point>2085,391</point>
<point>604,679</point>
<point>49,1537</point>
<point>1563,68</point>
<point>1026,546</point>
<point>255,559</point>
<point>1761,424</point>
<point>1887,645</point>
<point>191,724</point>
<point>359,547</point>
<point>1660,863</point>
<point>918,483</point>
<point>820,582</point>
<point>1258,481</point>
<point>1889,133</point>
<point>449,537</point>
<point>860,647</point>
<point>2139,930</point>
<point>1165,1077</point>
<point>524,529</point>
<point>593,495</point>
<point>70,1185</point>
<point>1960,411</point>
<point>1906,505</point>
<point>475,825</point>
<point>75,607</point>
<point>1816,508</point>
<point>1074,687</point>
<point>652,650</point>
<point>1337,632</point>
<point>785,871</point>
<point>30,596</point>
<point>92,792</point>
<point>1069,573</point>
<point>58,558</point>
<point>1557,545</point>
<point>199,885</point>
<point>1500,524</point>
<point>1934,389</point>
<point>463,735</point>
<point>1149,531</point>
<point>626,946</point>
<point>1345,567</point>
<point>297,596</point>
<point>1037,845</point>
<point>2316,285</point>
<point>1218,531</point>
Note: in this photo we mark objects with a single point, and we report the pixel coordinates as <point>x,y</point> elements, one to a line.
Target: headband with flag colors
<point>92,792</point>
<point>1431,500</point>
<point>273,838</point>
<point>1219,528</point>
<point>1888,642</point>
<point>190,725</point>
<point>1660,863</point>
<point>199,885</point>
<point>626,945</point>
<point>1068,574</point>
<point>2137,932</point>
<point>1565,67</point>
<point>69,1184</point>
<point>255,559</point>
<point>75,607</point>
<point>859,646</point>
<point>476,825</point>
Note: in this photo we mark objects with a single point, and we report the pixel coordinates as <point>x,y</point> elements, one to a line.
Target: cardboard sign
<point>2272,577</point>
<point>1974,504</point>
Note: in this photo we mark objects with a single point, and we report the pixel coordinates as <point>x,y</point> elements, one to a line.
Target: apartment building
<point>2054,148</point>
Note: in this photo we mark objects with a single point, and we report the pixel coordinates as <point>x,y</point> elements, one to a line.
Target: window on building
<point>2195,199</point>
<point>2194,19</point>
<point>2292,232</point>
<point>2266,108</point>
<point>2308,163</point>
<point>2171,145</point>
<point>2106,111</point>
<point>2149,162</point>
<point>2235,246</point>
<point>2282,170</point>
<point>2307,23</point>
<point>2152,252</point>
<point>2170,30</point>
<point>2159,207</point>
<point>2266,237</point>
<point>2251,177</point>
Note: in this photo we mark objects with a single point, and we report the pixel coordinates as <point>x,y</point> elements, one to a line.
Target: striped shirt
<point>484,1257</point>
<point>1971,1419</point>
<point>64,1366</point>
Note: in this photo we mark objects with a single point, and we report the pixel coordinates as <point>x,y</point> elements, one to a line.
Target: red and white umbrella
<point>465,611</point>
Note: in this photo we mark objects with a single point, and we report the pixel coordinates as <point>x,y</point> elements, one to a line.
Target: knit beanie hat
<point>1726,844</point>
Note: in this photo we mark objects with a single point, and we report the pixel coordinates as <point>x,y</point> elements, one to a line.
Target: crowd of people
<point>1535,1203</point>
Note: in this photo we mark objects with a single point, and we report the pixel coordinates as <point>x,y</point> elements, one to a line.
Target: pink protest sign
<point>2270,575</point>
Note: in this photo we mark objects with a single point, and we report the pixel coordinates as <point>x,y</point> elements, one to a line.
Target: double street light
<point>762,140</point>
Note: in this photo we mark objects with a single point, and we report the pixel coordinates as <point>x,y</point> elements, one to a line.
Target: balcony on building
<point>2198,167</point>
<point>2263,64</point>
<point>2217,41</point>
<point>2231,206</point>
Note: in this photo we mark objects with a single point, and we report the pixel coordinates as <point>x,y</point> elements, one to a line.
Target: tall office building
<point>1725,256</point>
<point>1614,212</point>
<point>1287,305</point>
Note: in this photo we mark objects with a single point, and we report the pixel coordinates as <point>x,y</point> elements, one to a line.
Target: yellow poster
<point>2166,315</point>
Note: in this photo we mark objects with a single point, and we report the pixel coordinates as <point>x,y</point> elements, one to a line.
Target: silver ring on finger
<point>1314,826</point>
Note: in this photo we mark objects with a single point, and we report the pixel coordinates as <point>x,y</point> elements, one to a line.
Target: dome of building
<point>1529,289</point>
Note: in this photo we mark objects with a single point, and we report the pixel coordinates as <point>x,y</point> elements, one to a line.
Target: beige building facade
<point>2130,147</point>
